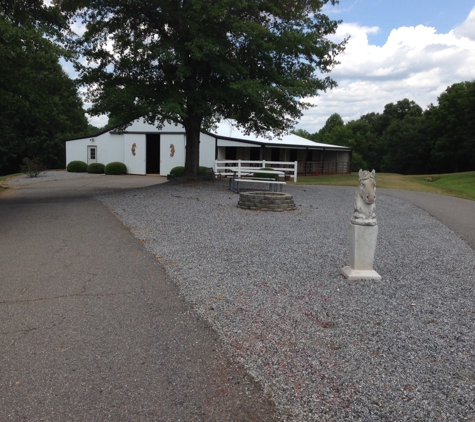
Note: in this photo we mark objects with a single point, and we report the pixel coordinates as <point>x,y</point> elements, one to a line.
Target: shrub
<point>203,172</point>
<point>96,168</point>
<point>266,175</point>
<point>177,171</point>
<point>115,168</point>
<point>77,167</point>
<point>206,173</point>
<point>32,166</point>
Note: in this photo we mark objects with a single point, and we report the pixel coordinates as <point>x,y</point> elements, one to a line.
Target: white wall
<point>110,148</point>
<point>77,150</point>
<point>207,150</point>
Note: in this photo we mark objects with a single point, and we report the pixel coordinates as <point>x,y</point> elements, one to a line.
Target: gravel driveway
<point>323,348</point>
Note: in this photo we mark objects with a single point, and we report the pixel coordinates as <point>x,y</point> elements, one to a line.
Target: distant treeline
<point>408,140</point>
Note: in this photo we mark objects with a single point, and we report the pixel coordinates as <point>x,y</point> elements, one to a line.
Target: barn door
<point>91,154</point>
<point>153,154</point>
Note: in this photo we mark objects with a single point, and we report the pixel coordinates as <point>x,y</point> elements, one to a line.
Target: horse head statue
<point>365,198</point>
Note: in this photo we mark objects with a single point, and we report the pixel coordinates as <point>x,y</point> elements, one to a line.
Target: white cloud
<point>415,63</point>
<point>467,29</point>
<point>98,121</point>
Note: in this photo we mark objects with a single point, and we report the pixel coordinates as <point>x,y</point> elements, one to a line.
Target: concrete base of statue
<point>362,248</point>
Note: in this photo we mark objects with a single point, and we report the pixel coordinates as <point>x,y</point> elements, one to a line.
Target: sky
<point>397,49</point>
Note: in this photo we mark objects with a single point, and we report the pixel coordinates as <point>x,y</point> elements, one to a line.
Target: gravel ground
<point>323,348</point>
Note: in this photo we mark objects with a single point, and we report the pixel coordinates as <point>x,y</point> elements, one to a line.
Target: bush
<point>207,173</point>
<point>266,175</point>
<point>32,166</point>
<point>77,167</point>
<point>177,171</point>
<point>96,168</point>
<point>202,172</point>
<point>115,168</point>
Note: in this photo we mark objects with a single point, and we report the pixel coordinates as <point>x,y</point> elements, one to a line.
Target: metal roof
<point>226,130</point>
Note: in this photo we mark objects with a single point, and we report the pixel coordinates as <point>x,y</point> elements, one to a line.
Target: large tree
<point>194,62</point>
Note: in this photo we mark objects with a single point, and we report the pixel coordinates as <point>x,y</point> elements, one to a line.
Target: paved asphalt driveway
<point>91,327</point>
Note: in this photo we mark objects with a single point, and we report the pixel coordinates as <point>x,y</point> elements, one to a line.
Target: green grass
<point>461,185</point>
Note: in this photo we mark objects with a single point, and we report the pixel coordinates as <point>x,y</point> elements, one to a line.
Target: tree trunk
<point>192,156</point>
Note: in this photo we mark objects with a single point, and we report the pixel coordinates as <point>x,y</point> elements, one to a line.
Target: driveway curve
<point>456,213</point>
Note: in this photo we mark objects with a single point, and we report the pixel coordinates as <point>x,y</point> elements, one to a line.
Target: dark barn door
<point>153,154</point>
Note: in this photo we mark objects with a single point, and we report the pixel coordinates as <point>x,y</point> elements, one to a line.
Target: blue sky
<point>400,49</point>
<point>443,15</point>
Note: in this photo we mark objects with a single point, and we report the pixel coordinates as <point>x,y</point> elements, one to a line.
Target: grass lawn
<point>461,185</point>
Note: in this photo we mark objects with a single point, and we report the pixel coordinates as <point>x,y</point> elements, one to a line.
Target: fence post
<point>295,171</point>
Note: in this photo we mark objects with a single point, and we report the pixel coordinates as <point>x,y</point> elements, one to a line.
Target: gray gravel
<point>324,348</point>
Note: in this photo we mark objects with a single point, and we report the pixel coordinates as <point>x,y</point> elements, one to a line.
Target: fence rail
<point>288,167</point>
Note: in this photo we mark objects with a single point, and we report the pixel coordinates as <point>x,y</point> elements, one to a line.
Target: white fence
<point>222,166</point>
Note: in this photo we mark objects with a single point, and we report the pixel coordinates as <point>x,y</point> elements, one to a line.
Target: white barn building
<point>145,149</point>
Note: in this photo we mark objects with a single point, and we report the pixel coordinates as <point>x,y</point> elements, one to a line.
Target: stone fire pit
<point>266,201</point>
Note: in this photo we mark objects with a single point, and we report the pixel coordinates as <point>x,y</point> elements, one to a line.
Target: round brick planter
<point>266,201</point>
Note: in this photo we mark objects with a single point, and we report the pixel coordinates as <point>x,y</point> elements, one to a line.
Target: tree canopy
<point>405,139</point>
<point>194,62</point>
<point>39,103</point>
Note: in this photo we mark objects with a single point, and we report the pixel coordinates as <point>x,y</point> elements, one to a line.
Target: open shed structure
<point>144,149</point>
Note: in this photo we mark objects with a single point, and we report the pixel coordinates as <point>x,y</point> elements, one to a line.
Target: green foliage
<point>202,171</point>
<point>453,128</point>
<point>272,176</point>
<point>302,133</point>
<point>195,62</point>
<point>39,104</point>
<point>96,168</point>
<point>115,168</point>
<point>357,162</point>
<point>333,122</point>
<point>177,171</point>
<point>32,166</point>
<point>405,139</point>
<point>77,167</point>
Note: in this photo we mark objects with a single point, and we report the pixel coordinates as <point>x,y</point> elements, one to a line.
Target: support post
<point>362,249</point>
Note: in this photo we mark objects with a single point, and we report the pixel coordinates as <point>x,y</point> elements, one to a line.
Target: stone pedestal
<point>362,248</point>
